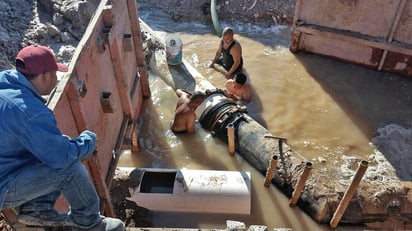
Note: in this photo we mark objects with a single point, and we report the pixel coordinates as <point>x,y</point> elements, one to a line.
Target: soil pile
<point>252,11</point>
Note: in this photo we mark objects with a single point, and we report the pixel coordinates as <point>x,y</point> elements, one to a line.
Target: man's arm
<point>190,123</point>
<point>42,131</point>
<point>229,92</point>
<point>179,92</point>
<point>247,96</point>
<point>217,54</point>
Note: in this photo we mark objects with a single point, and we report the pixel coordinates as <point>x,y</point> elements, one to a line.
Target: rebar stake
<point>348,194</point>
<point>300,185</point>
<point>231,138</point>
<point>271,170</point>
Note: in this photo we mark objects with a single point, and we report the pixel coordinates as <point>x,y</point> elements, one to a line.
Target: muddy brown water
<point>326,109</point>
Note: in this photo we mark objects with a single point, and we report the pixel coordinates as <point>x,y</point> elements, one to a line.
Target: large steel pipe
<point>256,145</point>
<point>217,112</point>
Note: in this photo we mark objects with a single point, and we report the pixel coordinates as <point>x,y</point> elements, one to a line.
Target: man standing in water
<point>37,162</point>
<point>185,117</point>
<point>239,88</point>
<point>229,54</point>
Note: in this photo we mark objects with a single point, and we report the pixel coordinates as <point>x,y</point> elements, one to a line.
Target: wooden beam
<point>137,40</point>
<point>350,39</point>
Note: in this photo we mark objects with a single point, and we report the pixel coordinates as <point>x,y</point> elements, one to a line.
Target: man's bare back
<point>185,116</point>
<point>239,88</point>
<point>184,120</point>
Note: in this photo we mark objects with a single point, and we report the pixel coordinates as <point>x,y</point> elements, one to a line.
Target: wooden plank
<point>404,29</point>
<point>351,39</point>
<point>375,54</point>
<point>137,40</point>
<point>123,135</point>
<point>100,185</point>
<point>82,89</point>
<point>366,17</point>
<point>91,162</point>
<point>372,33</point>
<point>11,218</point>
<point>104,63</point>
<point>60,89</point>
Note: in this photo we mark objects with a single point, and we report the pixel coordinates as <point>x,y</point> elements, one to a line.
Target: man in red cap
<point>37,162</point>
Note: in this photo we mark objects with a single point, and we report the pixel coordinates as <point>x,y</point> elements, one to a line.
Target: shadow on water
<point>154,147</point>
<point>370,98</point>
<point>255,108</point>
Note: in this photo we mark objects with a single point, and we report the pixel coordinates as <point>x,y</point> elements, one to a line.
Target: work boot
<point>106,224</point>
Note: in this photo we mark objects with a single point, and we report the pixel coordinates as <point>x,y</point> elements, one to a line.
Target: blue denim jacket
<point>29,132</point>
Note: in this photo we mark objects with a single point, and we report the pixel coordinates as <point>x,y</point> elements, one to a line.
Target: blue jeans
<point>37,187</point>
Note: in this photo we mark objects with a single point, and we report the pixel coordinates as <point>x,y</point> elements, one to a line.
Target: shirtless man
<point>185,117</point>
<point>229,54</point>
<point>238,88</point>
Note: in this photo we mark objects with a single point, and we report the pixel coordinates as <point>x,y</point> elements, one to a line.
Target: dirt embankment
<point>264,12</point>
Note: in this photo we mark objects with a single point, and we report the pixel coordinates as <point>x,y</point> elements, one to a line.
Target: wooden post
<point>231,138</point>
<point>392,31</point>
<point>271,170</point>
<point>300,185</point>
<point>348,194</point>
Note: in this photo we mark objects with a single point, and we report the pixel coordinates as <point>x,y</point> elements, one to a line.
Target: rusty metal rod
<point>348,194</point>
<point>271,170</point>
<point>231,138</point>
<point>275,137</point>
<point>300,185</point>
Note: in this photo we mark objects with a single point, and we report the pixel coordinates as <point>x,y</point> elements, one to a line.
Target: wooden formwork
<point>104,89</point>
<point>103,92</point>
<point>375,33</point>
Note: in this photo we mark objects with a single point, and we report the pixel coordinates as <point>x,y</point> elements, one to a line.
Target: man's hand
<point>212,64</point>
<point>228,75</point>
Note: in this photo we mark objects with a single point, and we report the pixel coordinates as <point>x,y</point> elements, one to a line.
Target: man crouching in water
<point>185,117</point>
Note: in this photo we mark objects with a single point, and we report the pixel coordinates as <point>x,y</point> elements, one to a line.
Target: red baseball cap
<point>37,60</point>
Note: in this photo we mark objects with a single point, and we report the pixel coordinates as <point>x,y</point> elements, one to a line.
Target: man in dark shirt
<point>229,54</point>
